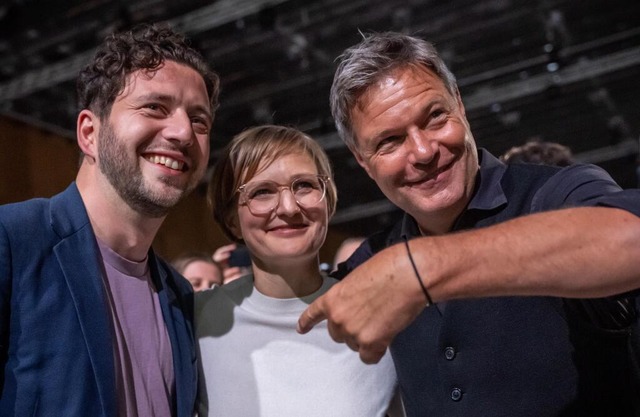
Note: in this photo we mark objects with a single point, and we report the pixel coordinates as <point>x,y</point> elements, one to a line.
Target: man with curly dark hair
<point>92,322</point>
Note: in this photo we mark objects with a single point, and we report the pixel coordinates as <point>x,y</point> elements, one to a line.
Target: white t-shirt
<point>255,364</point>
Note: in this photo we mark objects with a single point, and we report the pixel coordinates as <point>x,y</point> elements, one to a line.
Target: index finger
<point>310,317</point>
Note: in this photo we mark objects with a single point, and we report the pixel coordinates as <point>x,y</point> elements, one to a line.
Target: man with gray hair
<point>471,288</point>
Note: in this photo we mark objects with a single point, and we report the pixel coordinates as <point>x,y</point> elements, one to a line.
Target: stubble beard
<point>126,178</point>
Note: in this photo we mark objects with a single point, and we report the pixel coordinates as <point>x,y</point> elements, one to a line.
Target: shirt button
<point>456,394</point>
<point>449,353</point>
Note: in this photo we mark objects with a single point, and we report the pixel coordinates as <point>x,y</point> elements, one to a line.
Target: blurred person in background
<point>539,152</point>
<point>234,260</point>
<point>199,269</point>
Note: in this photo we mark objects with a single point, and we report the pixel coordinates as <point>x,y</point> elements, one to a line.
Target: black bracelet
<point>415,269</point>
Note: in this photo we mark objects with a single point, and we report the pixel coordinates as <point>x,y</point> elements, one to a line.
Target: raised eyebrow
<point>261,183</point>
<point>426,109</point>
<point>438,101</point>
<point>292,179</point>
<point>153,97</point>
<point>383,134</point>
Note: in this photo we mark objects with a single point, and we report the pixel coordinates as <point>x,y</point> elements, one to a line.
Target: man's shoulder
<point>572,186</point>
<point>518,172</point>
<point>43,209</point>
<point>542,173</point>
<point>24,208</point>
<point>21,216</point>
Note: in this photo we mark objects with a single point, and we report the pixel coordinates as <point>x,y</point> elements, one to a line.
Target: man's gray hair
<point>365,63</point>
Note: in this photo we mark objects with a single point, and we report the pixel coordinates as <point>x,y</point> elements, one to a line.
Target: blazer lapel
<point>182,340</point>
<point>77,255</point>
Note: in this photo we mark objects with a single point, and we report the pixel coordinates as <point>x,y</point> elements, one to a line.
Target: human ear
<point>87,128</point>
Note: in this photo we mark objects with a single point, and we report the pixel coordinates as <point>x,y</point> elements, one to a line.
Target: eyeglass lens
<point>264,196</point>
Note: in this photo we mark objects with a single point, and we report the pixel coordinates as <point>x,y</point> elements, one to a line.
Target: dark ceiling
<point>560,70</point>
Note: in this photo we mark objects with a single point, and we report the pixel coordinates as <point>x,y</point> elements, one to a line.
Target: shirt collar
<point>488,194</point>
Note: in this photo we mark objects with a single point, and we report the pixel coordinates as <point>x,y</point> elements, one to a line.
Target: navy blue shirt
<point>518,356</point>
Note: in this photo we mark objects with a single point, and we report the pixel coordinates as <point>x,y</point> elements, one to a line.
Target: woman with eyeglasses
<point>272,190</point>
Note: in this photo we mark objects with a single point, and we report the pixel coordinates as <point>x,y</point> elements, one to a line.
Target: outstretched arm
<point>578,252</point>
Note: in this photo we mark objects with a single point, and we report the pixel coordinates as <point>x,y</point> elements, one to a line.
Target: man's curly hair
<point>145,47</point>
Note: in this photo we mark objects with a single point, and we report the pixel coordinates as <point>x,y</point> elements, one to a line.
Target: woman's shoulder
<point>215,296</point>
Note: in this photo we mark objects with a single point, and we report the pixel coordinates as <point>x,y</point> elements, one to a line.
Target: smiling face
<point>414,141</point>
<point>154,147</point>
<point>289,233</point>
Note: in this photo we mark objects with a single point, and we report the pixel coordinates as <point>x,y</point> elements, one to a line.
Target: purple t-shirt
<point>142,350</point>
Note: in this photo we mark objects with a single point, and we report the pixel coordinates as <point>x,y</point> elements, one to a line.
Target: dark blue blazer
<point>56,343</point>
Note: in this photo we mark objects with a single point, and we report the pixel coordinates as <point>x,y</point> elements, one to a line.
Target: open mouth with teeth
<point>167,162</point>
